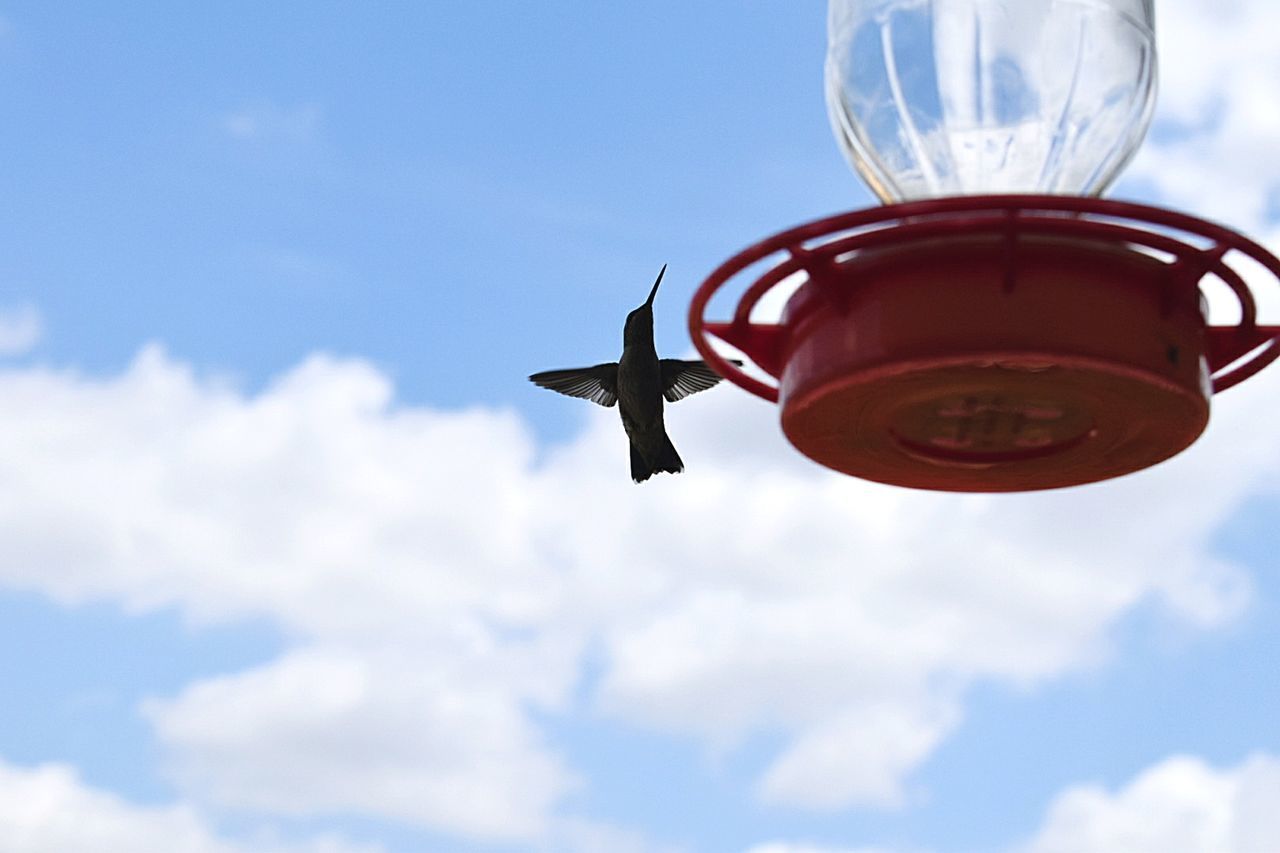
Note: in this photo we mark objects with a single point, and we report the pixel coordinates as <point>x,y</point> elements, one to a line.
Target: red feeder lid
<point>997,343</point>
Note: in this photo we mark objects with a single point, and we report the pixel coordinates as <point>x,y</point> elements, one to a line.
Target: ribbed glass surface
<point>951,97</point>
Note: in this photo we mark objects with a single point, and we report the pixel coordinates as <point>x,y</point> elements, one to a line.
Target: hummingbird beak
<point>648,303</point>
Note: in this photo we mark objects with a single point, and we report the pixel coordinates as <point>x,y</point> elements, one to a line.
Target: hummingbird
<point>637,383</point>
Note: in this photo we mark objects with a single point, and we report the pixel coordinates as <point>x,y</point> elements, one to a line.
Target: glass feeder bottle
<point>933,98</point>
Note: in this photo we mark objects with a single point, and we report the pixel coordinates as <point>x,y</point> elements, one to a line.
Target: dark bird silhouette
<point>638,382</point>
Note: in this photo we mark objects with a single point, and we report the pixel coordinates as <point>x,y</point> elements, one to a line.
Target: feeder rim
<point>1119,224</point>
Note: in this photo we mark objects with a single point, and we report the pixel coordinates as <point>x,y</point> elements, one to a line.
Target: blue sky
<point>293,558</point>
<point>355,180</point>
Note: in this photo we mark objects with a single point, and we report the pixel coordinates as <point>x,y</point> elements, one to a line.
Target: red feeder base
<point>993,344</point>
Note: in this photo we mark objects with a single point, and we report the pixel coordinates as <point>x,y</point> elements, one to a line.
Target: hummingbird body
<point>640,397</point>
<point>637,383</point>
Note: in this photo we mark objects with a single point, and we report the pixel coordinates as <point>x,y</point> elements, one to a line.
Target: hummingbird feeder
<point>995,326</point>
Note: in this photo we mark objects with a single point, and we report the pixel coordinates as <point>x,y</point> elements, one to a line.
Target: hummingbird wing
<point>682,378</point>
<point>599,384</point>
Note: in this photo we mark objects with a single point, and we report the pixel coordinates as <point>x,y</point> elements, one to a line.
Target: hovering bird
<point>637,382</point>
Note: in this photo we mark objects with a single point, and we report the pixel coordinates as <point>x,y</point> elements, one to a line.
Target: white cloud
<point>860,756</point>
<point>390,535</point>
<point>1217,79</point>
<point>436,583</point>
<point>789,847</point>
<point>413,736</point>
<point>1180,805</point>
<point>575,835</point>
<point>20,329</point>
<point>48,809</point>
<point>266,120</point>
<point>853,615</point>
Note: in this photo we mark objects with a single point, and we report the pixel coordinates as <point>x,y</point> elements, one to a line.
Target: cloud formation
<point>1216,128</point>
<point>1181,805</point>
<point>412,736</point>
<point>48,809</point>
<point>437,583</point>
<point>786,847</point>
<point>264,120</point>
<point>21,328</point>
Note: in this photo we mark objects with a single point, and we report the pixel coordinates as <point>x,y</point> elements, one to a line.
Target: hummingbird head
<point>640,321</point>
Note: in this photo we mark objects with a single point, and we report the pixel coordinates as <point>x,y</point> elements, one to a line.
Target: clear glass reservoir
<point>953,97</point>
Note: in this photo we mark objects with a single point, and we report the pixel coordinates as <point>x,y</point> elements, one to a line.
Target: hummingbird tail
<point>668,460</point>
